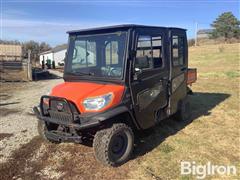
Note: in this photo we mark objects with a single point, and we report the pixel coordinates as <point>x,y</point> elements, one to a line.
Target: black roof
<point>122,26</point>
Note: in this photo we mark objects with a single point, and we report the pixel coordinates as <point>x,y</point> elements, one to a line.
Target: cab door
<point>179,65</point>
<point>150,77</point>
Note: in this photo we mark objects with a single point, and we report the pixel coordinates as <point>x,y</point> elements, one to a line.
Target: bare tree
<point>35,48</point>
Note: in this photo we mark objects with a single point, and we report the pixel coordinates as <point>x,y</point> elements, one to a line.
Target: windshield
<point>99,55</point>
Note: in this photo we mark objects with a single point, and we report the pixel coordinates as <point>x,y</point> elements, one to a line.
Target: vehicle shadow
<point>45,76</point>
<point>201,104</point>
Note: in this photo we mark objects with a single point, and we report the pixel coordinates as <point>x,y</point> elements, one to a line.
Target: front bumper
<point>59,136</point>
<point>85,121</point>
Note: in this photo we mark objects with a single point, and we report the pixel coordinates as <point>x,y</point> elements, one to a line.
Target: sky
<point>49,20</point>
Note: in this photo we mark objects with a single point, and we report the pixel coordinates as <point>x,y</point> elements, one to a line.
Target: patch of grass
<point>221,49</point>
<point>228,74</point>
<point>166,148</point>
<point>233,74</point>
<point>212,74</point>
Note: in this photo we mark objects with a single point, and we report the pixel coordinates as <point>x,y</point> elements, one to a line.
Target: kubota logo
<point>60,106</point>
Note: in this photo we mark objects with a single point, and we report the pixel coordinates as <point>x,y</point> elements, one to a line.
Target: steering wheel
<point>114,72</point>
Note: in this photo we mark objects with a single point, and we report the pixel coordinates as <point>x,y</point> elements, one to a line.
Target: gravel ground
<point>18,124</point>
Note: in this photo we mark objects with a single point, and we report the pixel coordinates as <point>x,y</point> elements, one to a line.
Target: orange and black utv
<point>118,80</point>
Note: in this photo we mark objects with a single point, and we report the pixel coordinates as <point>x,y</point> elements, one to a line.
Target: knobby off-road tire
<point>113,146</point>
<point>183,112</point>
<point>42,128</point>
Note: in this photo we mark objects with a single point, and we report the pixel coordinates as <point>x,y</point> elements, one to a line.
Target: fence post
<point>29,66</point>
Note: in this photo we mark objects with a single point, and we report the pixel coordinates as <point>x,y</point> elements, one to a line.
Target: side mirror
<point>140,63</point>
<point>137,73</point>
<point>137,70</point>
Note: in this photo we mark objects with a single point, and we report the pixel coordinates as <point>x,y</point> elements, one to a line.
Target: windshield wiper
<point>81,73</point>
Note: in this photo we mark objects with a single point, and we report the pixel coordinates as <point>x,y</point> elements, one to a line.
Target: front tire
<point>113,146</point>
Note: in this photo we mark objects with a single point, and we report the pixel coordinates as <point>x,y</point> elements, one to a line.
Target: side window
<point>111,51</point>
<point>149,52</point>
<point>178,50</point>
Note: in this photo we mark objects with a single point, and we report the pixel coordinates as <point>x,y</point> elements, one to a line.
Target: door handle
<point>183,69</point>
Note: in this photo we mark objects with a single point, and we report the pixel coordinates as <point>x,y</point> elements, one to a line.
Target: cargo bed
<point>191,76</point>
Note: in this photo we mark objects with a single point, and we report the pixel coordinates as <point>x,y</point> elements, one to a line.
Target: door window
<point>178,50</point>
<point>149,52</point>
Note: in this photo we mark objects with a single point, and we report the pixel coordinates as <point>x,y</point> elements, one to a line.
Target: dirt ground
<point>211,134</point>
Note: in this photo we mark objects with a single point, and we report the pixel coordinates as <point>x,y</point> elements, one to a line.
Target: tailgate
<point>191,75</point>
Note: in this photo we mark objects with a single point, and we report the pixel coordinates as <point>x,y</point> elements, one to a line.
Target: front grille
<point>60,116</point>
<point>61,110</point>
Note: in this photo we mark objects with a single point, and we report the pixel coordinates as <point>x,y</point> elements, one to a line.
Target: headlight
<point>97,103</point>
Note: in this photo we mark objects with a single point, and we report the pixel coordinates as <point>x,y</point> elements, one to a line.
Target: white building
<point>56,54</point>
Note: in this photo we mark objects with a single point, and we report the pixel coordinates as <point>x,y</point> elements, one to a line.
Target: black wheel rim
<point>118,146</point>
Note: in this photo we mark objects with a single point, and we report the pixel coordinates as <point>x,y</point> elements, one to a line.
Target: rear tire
<point>113,146</point>
<point>42,128</point>
<point>183,112</point>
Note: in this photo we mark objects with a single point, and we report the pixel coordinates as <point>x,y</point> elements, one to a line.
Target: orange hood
<point>78,91</point>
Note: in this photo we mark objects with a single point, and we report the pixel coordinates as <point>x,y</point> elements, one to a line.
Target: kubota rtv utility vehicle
<point>118,80</point>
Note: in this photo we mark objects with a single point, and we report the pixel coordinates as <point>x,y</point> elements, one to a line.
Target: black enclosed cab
<point>118,80</point>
